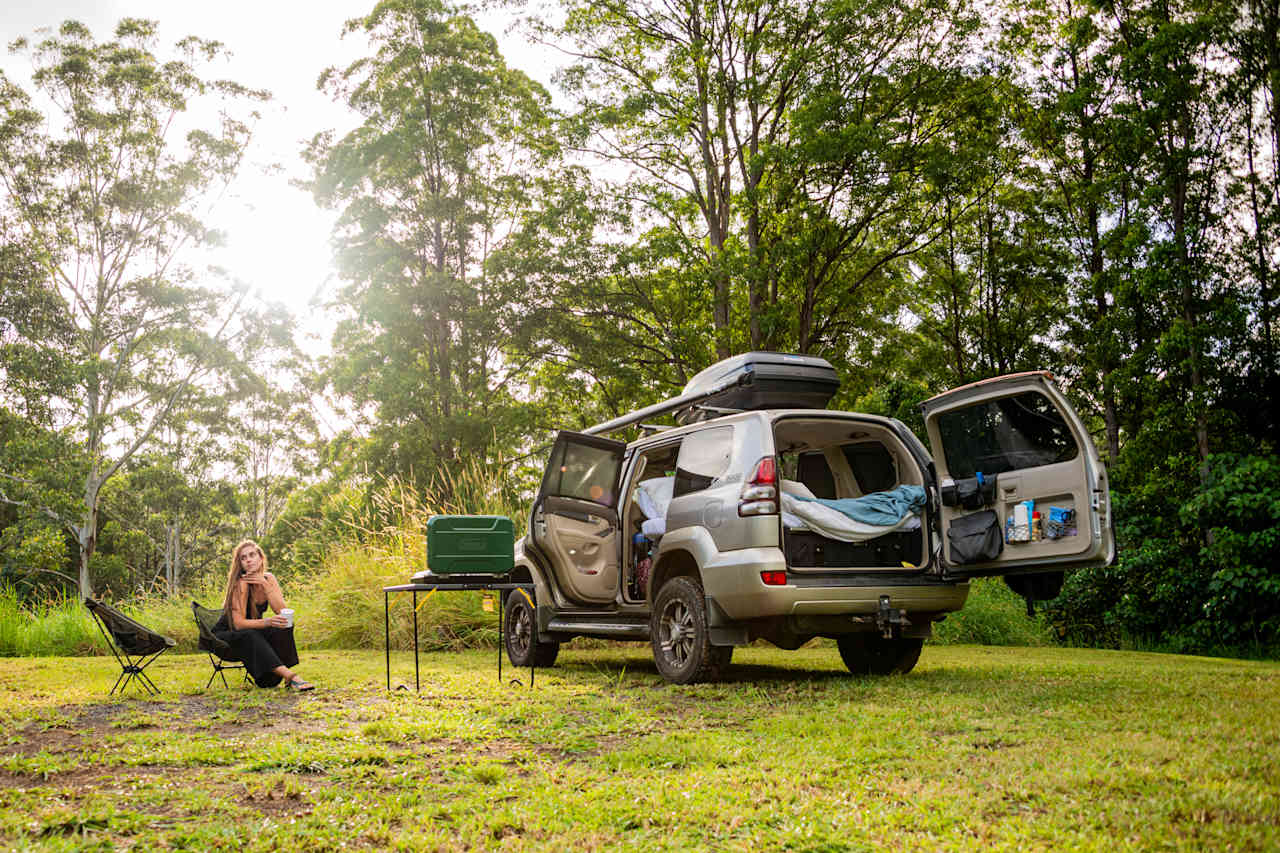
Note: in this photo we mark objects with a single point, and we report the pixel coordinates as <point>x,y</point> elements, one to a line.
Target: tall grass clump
<point>994,615</point>
<point>386,545</point>
<point>56,626</point>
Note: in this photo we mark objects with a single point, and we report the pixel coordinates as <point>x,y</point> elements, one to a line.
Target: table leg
<point>417,684</point>
<point>500,609</point>
<point>386,620</point>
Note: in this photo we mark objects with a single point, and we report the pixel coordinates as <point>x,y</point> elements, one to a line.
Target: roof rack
<point>746,382</point>
<point>684,401</point>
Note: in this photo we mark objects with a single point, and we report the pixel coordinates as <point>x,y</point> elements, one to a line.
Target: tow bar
<point>890,620</point>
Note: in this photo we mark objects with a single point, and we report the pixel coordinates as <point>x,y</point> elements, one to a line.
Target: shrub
<point>1198,569</point>
<point>994,615</point>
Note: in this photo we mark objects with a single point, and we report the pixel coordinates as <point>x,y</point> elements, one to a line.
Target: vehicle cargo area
<point>837,459</point>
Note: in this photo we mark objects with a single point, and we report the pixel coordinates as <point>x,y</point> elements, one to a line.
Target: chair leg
<point>142,677</point>
<point>119,678</point>
<point>148,683</point>
<point>220,671</point>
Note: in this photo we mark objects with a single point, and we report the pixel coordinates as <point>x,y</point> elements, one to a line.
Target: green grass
<point>980,747</point>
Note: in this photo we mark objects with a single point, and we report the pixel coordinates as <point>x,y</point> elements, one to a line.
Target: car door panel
<point>576,517</point>
<point>1022,431</point>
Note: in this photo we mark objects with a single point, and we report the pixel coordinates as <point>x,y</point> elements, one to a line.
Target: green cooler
<point>470,545</point>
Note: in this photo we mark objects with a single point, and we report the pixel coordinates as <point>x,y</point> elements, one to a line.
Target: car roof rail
<point>709,413</point>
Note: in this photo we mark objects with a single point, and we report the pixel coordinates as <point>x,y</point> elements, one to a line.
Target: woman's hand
<point>277,621</point>
<point>255,579</point>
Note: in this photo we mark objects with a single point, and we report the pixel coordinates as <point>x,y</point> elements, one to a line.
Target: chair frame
<point>131,666</point>
<point>219,665</point>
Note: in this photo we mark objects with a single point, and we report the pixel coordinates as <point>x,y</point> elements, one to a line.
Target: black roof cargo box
<point>764,380</point>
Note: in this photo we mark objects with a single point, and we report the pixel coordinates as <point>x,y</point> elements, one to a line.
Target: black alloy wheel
<point>680,637</point>
<point>517,633</point>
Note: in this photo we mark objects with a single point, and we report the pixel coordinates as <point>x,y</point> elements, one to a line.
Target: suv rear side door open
<point>1020,432</point>
<point>575,517</point>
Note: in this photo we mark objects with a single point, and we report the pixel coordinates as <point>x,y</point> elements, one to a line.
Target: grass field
<point>980,747</point>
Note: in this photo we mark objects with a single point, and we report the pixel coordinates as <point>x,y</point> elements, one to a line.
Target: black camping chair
<point>139,645</point>
<point>220,654</point>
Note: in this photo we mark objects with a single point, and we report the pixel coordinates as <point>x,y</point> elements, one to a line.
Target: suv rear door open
<point>1020,432</point>
<point>575,518</point>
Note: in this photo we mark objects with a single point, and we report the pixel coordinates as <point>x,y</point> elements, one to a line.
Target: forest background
<point>924,192</point>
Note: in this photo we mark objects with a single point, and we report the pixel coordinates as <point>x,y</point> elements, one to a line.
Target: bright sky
<point>277,239</point>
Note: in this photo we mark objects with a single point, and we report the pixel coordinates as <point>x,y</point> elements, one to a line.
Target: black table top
<point>445,584</point>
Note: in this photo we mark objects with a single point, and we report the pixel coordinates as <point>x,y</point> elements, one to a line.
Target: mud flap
<point>723,630</point>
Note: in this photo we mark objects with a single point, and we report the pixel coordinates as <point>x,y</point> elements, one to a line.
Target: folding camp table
<point>446,585</point>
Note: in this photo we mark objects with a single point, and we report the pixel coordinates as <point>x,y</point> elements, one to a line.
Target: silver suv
<point>763,515</point>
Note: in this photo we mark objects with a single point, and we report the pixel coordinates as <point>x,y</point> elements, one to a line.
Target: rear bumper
<point>732,579</point>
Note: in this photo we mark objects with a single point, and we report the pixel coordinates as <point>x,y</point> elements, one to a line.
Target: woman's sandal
<point>297,683</point>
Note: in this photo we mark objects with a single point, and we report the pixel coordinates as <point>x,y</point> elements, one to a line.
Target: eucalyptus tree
<point>426,186</point>
<point>1070,114</point>
<point>1174,65</point>
<point>1255,46</point>
<point>783,157</point>
<point>106,172</point>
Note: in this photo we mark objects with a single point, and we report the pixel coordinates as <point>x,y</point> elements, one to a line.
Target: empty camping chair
<point>220,654</point>
<point>139,645</point>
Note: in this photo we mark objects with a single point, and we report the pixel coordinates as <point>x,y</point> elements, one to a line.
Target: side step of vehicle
<point>594,626</point>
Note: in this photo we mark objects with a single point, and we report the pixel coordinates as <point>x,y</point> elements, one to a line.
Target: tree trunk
<point>87,534</point>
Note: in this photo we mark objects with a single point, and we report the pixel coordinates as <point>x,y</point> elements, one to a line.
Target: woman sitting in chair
<point>265,644</point>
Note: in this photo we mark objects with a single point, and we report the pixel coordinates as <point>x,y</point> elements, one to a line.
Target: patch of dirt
<point>48,740</point>
<point>273,803</point>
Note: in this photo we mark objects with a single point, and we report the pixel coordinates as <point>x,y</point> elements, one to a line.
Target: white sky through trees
<point>277,239</point>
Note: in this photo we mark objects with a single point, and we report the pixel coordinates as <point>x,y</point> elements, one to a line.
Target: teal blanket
<point>881,508</point>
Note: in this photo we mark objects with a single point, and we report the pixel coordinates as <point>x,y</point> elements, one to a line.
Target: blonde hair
<point>233,573</point>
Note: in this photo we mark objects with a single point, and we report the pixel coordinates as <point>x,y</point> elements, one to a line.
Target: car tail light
<point>774,578</point>
<point>760,492</point>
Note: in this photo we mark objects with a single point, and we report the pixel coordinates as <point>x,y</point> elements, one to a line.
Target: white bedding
<point>836,525</point>
<point>653,496</point>
<point>807,515</point>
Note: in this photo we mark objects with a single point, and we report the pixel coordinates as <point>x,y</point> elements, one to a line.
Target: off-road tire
<point>680,637</point>
<point>517,634</point>
<point>872,654</point>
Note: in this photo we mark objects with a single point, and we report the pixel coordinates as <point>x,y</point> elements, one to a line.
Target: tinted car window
<point>583,472</point>
<point>704,456</point>
<point>812,470</point>
<point>872,466</point>
<point>1022,431</point>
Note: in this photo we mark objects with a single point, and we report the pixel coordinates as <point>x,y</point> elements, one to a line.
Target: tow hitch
<point>890,620</point>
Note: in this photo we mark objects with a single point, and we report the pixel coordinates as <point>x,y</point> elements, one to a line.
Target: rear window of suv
<point>704,456</point>
<point>1022,431</point>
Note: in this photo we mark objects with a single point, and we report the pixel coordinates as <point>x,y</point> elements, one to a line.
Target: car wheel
<point>681,639</point>
<point>517,634</point>
<point>871,654</point>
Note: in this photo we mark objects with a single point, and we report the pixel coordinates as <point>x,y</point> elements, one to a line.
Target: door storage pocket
<point>975,538</point>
